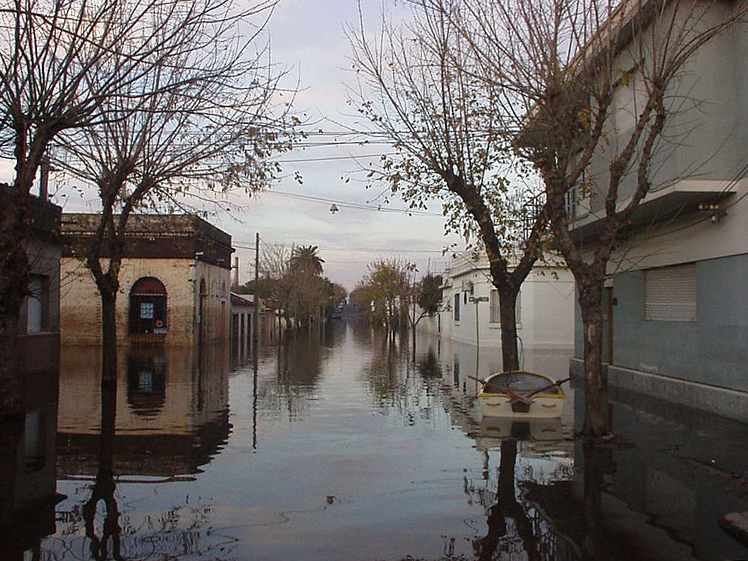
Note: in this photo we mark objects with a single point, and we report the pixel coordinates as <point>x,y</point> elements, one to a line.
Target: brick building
<point>174,282</point>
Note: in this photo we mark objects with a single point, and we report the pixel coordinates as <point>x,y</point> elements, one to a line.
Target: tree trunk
<point>508,318</point>
<point>109,336</point>
<point>595,461</point>
<point>596,398</point>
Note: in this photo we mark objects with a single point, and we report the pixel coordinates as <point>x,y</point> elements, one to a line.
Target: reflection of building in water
<point>669,491</point>
<point>28,471</point>
<point>172,409</point>
<point>174,282</point>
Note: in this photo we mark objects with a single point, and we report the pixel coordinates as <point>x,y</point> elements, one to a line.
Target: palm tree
<point>304,259</point>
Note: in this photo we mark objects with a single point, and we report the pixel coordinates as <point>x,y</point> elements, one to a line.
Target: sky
<point>308,38</point>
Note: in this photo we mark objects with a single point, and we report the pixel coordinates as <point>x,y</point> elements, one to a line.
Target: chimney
<point>236,271</point>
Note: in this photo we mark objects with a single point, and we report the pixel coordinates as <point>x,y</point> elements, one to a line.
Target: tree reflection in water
<point>104,486</point>
<point>181,436</point>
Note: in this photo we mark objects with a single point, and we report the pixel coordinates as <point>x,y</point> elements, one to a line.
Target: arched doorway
<point>148,307</point>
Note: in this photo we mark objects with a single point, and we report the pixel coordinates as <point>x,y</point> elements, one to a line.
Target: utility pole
<point>256,316</point>
<point>477,300</point>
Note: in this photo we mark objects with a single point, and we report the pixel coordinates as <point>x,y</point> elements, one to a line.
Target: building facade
<point>470,306</point>
<point>27,465</point>
<point>175,283</point>
<point>676,302</point>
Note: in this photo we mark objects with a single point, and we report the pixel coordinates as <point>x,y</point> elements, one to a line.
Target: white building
<point>470,306</point>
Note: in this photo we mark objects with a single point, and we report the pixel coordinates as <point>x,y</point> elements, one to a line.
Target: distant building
<point>676,303</point>
<point>174,282</point>
<point>545,306</point>
<point>243,310</point>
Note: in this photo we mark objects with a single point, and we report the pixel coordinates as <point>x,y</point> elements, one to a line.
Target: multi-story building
<point>677,304</point>
<point>175,282</point>
<point>27,468</point>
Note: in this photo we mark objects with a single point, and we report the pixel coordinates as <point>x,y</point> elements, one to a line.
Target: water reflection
<point>171,410</point>
<point>104,486</point>
<point>165,418</point>
<point>27,466</point>
<point>344,444</point>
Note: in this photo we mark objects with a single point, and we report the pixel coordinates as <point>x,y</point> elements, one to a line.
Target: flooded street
<point>347,445</point>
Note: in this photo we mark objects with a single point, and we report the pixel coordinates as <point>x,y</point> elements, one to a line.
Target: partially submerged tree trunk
<point>596,422</point>
<point>441,117</point>
<point>508,316</point>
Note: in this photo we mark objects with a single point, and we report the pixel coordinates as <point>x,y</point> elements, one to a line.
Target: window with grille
<point>457,307</point>
<point>148,306</point>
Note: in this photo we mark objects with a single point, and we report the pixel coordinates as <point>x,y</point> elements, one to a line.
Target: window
<point>493,303</point>
<point>457,307</point>
<point>570,201</point>
<point>670,293</point>
<point>34,442</point>
<point>578,199</point>
<point>148,306</point>
<point>495,310</point>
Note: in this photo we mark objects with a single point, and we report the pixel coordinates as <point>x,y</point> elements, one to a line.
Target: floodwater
<point>345,444</point>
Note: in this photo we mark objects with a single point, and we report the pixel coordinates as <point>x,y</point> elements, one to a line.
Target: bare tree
<point>420,88</point>
<point>198,123</point>
<point>589,86</point>
<point>58,62</point>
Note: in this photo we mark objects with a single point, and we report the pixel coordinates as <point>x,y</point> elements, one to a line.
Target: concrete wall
<point>699,363</point>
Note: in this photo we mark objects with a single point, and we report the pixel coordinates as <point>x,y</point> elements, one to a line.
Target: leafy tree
<point>430,293</point>
<point>293,278</point>
<point>304,259</point>
<point>421,90</point>
<point>385,289</point>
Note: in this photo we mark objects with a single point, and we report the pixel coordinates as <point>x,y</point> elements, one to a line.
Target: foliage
<point>293,279</point>
<point>304,260</point>
<point>384,291</point>
<point>430,293</point>
<point>560,71</point>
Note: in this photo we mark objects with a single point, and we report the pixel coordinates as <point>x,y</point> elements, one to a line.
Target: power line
<point>354,205</point>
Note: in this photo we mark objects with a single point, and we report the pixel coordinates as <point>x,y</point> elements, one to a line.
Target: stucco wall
<point>81,306</point>
<point>546,310</point>
<point>712,350</point>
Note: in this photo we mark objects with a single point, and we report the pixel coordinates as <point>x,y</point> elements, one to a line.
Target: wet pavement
<point>345,444</point>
